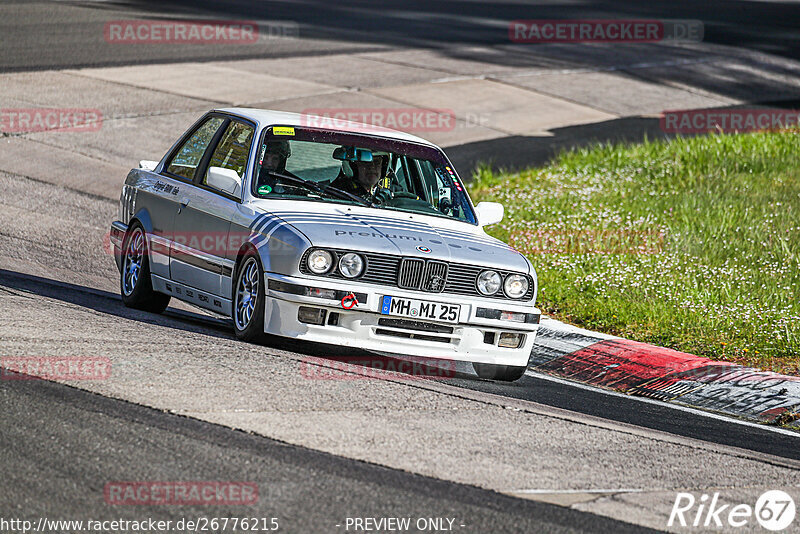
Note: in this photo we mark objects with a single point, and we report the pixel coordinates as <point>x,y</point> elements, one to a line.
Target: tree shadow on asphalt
<point>742,23</point>
<point>517,152</point>
<point>22,284</point>
<point>346,360</point>
<point>479,33</point>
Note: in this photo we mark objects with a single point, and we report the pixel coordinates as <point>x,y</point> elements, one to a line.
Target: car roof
<point>268,117</point>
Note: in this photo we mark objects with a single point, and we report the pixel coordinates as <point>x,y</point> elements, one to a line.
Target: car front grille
<point>422,275</point>
<point>411,271</point>
<point>419,274</point>
<point>435,277</point>
<point>379,269</point>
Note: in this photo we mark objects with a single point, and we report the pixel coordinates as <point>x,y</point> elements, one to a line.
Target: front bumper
<point>474,338</point>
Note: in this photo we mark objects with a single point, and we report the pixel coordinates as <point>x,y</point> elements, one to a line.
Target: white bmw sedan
<point>351,236</point>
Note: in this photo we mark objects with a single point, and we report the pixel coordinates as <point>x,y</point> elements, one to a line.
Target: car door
<point>177,174</point>
<point>202,256</point>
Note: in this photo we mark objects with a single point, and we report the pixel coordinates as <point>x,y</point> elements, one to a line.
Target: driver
<point>367,179</point>
<point>273,159</point>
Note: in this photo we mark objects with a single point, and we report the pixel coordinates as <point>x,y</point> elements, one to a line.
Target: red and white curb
<point>668,375</point>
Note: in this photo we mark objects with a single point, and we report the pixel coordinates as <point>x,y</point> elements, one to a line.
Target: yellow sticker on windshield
<point>282,130</point>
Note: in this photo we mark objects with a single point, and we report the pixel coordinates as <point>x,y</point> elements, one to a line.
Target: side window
<point>430,187</point>
<point>400,176</point>
<point>189,155</point>
<point>233,149</point>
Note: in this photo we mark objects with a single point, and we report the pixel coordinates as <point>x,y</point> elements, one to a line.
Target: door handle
<point>182,203</point>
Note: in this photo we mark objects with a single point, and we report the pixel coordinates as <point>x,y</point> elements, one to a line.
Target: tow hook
<point>349,301</point>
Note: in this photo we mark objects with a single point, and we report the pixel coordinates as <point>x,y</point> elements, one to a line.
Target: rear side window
<point>233,149</point>
<point>188,157</point>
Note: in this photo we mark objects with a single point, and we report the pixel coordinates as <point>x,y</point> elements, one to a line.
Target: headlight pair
<point>515,285</point>
<point>321,261</point>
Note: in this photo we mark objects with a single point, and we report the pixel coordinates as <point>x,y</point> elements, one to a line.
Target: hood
<point>403,234</point>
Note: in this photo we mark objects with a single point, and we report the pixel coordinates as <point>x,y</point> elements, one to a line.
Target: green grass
<point>692,244</point>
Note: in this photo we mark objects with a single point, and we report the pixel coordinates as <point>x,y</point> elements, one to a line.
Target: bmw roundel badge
<point>423,249</point>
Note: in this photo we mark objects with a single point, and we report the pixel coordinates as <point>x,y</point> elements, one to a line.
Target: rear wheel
<point>134,281</point>
<point>504,373</point>
<point>248,298</point>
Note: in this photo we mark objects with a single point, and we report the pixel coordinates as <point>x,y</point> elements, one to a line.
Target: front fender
<point>280,251</point>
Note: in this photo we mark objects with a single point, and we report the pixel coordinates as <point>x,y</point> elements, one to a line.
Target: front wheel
<point>503,373</point>
<point>248,299</point>
<point>134,282</point>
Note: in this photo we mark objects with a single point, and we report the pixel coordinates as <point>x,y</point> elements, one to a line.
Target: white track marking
<point>574,491</point>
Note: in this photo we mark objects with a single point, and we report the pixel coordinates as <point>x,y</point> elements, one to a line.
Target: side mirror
<point>226,180</point>
<point>489,213</point>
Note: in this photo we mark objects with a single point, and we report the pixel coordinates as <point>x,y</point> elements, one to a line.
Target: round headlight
<point>351,265</point>
<point>489,282</point>
<point>515,286</point>
<point>320,261</point>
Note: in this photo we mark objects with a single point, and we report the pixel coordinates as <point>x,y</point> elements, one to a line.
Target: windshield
<point>306,164</point>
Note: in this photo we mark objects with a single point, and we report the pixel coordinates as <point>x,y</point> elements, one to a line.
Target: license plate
<point>420,309</point>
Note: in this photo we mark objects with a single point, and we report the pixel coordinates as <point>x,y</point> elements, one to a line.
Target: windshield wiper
<point>314,186</point>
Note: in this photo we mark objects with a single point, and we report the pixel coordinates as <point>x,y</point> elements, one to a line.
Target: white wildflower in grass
<point>692,243</point>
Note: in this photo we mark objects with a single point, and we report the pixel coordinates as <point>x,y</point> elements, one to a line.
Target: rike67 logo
<point>774,510</point>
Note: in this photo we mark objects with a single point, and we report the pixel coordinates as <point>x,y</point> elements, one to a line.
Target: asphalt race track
<point>89,439</point>
<point>85,440</point>
<point>45,35</point>
<point>188,402</point>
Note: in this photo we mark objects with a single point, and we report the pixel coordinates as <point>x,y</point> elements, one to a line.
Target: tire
<point>247,311</point>
<point>503,373</point>
<point>135,285</point>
